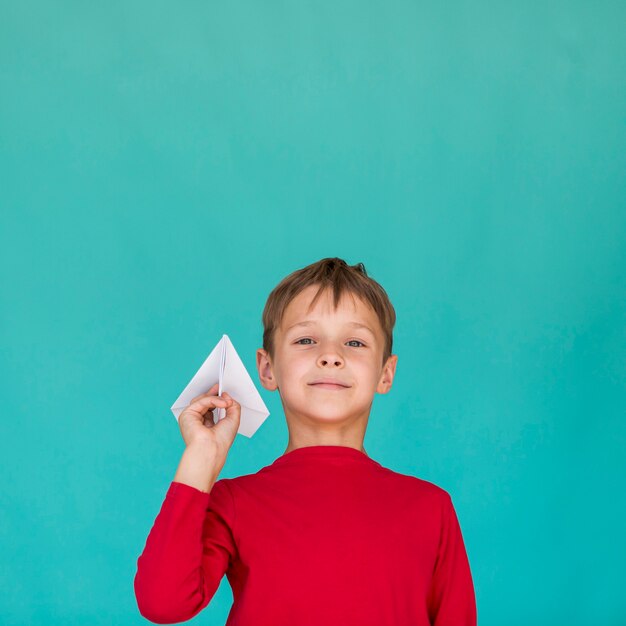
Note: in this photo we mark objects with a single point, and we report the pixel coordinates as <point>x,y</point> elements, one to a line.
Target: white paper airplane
<point>224,366</point>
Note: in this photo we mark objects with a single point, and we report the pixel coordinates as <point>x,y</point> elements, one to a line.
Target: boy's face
<point>328,347</point>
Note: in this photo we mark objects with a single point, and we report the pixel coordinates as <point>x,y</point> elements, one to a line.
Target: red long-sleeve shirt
<point>324,536</point>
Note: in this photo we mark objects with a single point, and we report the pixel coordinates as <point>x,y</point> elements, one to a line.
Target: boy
<point>325,535</point>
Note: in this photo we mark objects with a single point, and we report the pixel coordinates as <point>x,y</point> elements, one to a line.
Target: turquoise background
<point>164,165</point>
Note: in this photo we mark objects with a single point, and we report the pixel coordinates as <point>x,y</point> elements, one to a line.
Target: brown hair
<point>329,273</point>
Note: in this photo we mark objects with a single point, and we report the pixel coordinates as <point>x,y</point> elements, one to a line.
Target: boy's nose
<point>330,359</point>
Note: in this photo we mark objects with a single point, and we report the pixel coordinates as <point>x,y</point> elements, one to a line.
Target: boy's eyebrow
<point>312,323</point>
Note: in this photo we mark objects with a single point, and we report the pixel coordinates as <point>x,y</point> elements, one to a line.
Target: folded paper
<point>223,366</point>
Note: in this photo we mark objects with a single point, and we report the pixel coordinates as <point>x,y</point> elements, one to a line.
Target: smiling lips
<point>329,383</point>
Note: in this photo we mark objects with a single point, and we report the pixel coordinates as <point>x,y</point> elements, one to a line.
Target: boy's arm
<point>187,552</point>
<point>451,598</point>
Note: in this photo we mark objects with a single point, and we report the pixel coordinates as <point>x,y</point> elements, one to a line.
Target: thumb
<point>228,426</point>
<point>233,409</point>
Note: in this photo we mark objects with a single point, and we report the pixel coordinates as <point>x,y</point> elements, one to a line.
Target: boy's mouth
<point>329,383</point>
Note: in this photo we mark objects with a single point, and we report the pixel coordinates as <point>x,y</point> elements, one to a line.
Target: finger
<point>233,410</point>
<point>229,397</point>
<point>213,401</point>
<point>203,404</point>
<point>209,392</point>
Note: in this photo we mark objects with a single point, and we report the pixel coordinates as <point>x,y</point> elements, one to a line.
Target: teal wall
<point>164,165</point>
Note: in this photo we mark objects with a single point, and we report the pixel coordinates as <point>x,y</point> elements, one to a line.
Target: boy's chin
<point>325,413</point>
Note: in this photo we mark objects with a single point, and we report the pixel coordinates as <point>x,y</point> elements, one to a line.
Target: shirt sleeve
<point>451,597</point>
<point>187,552</point>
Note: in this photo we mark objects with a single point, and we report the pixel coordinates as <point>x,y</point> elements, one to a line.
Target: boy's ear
<point>389,371</point>
<point>264,366</point>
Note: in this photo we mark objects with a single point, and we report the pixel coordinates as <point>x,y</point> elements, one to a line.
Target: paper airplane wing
<point>239,385</point>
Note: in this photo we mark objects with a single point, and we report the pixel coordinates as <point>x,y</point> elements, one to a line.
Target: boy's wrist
<point>199,467</point>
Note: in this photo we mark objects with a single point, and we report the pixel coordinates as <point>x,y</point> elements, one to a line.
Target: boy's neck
<point>292,446</point>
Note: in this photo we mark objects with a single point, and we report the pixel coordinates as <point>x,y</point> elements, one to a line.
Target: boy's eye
<point>350,341</point>
<point>356,341</point>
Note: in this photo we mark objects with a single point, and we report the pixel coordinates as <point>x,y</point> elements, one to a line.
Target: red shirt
<point>324,536</point>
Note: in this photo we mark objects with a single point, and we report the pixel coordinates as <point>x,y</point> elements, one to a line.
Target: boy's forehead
<point>350,309</point>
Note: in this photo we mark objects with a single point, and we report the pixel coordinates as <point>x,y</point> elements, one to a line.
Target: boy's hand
<point>196,421</point>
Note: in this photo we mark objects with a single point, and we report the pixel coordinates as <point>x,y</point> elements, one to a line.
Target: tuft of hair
<point>335,274</point>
